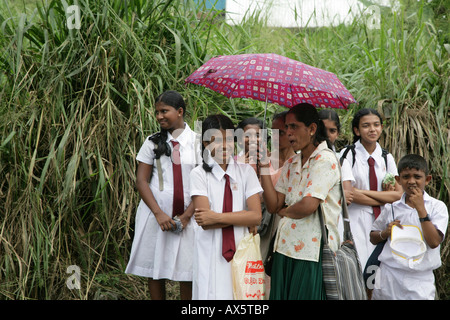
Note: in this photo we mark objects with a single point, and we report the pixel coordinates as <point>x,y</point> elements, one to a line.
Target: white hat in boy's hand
<point>407,245</point>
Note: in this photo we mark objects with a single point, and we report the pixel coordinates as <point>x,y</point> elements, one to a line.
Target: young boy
<point>394,280</point>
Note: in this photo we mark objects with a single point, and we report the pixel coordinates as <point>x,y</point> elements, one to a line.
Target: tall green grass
<point>75,106</point>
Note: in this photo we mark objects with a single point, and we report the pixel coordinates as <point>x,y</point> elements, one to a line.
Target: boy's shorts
<point>399,284</point>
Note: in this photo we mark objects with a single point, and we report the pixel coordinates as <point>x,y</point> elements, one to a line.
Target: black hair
<point>248,121</point>
<point>413,161</point>
<point>174,99</point>
<point>307,113</point>
<point>330,114</point>
<point>217,121</point>
<point>280,115</point>
<point>357,118</point>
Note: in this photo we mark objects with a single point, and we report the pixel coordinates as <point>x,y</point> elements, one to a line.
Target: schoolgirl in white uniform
<point>367,126</point>
<point>211,269</point>
<point>157,252</point>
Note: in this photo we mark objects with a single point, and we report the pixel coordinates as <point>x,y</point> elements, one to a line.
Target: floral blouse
<point>320,178</point>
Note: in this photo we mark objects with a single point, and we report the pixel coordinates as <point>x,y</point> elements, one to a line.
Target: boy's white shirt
<point>438,213</point>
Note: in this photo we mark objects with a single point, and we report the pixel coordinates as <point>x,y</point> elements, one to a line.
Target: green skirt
<point>294,279</point>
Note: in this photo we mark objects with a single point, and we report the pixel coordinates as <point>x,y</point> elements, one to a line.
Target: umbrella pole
<point>265,112</point>
<point>264,126</point>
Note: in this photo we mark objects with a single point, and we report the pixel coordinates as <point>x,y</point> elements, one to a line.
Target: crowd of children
<point>198,200</point>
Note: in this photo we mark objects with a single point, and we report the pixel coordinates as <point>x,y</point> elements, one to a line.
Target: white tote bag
<point>248,270</point>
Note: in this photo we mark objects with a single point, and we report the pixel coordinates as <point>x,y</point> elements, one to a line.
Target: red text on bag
<point>254,266</point>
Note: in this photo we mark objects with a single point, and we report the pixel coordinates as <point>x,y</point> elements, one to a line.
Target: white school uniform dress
<point>211,272</point>
<point>161,254</point>
<point>361,216</point>
<point>394,281</point>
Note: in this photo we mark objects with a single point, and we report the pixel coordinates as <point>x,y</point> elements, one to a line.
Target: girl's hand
<point>387,187</point>
<point>253,230</point>
<point>348,196</point>
<point>184,220</point>
<point>165,222</point>
<point>205,217</point>
<point>283,212</point>
<point>263,155</point>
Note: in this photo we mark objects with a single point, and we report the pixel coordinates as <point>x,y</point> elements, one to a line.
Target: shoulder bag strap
<point>346,221</point>
<point>322,224</point>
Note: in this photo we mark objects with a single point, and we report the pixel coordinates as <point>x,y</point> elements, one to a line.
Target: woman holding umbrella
<point>309,179</point>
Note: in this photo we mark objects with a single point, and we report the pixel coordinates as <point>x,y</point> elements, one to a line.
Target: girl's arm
<point>186,216</point>
<point>380,197</point>
<point>273,199</point>
<point>301,209</point>
<point>208,219</point>
<point>348,190</point>
<point>201,210</point>
<point>354,195</point>
<point>144,174</point>
<point>360,198</point>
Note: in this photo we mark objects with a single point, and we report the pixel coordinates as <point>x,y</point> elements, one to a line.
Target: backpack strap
<point>344,155</point>
<point>351,147</point>
<point>384,154</point>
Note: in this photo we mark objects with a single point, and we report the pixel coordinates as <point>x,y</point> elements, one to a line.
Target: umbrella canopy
<point>272,78</point>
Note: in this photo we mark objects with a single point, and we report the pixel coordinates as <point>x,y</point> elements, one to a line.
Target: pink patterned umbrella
<point>272,78</point>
